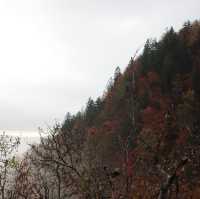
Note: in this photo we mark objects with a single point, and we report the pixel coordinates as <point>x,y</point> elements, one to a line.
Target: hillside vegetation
<point>140,139</point>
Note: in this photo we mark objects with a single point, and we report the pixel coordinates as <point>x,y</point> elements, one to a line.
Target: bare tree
<point>8,145</point>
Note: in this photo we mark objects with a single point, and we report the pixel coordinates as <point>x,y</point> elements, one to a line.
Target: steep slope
<point>152,113</point>
<point>141,139</point>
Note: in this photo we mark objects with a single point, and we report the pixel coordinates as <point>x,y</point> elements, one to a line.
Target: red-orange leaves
<point>153,119</point>
<point>110,126</point>
<point>92,131</point>
<point>153,78</point>
<point>143,85</point>
<point>183,136</point>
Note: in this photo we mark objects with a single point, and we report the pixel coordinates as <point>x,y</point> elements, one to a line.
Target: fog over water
<point>26,138</point>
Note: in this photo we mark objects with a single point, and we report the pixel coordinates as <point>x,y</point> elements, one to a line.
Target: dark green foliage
<point>167,57</point>
<point>93,108</point>
<point>196,81</point>
<point>117,74</point>
<point>68,122</point>
<point>148,58</point>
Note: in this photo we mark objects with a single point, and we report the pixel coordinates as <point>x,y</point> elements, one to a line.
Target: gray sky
<point>54,54</point>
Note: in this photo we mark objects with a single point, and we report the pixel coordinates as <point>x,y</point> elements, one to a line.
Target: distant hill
<point>140,139</point>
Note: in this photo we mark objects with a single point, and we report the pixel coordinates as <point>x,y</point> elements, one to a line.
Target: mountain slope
<point>141,139</point>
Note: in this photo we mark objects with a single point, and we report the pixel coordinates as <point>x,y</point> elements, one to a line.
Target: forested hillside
<point>140,139</point>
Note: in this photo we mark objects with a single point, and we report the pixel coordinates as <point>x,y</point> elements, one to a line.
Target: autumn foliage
<point>141,138</point>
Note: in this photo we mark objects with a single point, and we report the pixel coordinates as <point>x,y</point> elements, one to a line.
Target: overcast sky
<point>55,54</point>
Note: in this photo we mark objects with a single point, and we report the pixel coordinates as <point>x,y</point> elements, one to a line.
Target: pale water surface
<point>26,138</point>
